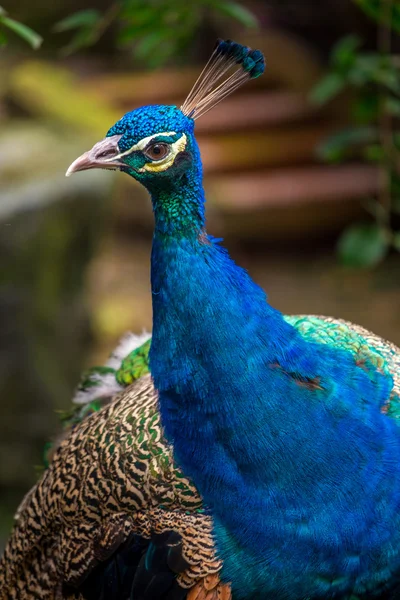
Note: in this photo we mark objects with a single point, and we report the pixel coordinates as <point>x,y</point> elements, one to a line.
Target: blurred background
<point>302,175</point>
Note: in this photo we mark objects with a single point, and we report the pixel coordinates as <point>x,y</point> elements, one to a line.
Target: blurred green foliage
<point>26,33</point>
<point>156,30</point>
<point>363,245</point>
<point>374,77</point>
<point>376,10</point>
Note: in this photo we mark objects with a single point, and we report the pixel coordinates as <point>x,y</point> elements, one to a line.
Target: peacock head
<point>156,144</point>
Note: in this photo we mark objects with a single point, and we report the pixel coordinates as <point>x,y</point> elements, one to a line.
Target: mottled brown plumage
<point>107,479</point>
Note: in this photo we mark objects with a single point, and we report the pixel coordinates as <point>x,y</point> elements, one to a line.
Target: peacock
<point>234,454</point>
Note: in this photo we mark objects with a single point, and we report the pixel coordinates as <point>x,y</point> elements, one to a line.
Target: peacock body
<point>278,476</point>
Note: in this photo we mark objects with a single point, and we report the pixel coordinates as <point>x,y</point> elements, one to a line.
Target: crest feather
<point>211,86</point>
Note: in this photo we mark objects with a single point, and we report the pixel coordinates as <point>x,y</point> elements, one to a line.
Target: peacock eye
<point>156,151</point>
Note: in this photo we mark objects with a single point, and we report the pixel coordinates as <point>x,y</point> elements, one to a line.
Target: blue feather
<point>302,481</point>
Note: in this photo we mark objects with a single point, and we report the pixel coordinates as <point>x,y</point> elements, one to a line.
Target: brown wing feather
<point>210,588</point>
<point>107,479</point>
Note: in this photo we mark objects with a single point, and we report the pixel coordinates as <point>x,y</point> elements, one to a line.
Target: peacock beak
<point>103,155</point>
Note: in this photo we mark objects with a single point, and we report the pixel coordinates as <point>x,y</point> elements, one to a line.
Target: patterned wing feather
<point>111,479</point>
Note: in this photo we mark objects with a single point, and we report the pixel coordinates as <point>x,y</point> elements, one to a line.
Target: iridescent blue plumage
<point>147,120</point>
<point>286,439</point>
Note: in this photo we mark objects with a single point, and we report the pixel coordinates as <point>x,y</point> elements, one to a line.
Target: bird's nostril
<point>106,153</point>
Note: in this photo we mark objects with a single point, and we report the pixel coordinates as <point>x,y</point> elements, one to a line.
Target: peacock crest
<point>213,85</point>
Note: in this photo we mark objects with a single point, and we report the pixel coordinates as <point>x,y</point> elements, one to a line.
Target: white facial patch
<point>159,165</point>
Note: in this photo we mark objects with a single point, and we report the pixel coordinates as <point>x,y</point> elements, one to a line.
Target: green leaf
<point>363,245</point>
<point>24,32</point>
<point>327,88</point>
<point>144,14</point>
<point>238,12</point>
<point>168,49</point>
<point>157,48</point>
<point>130,34</point>
<point>344,52</point>
<point>346,143</point>
<point>82,39</point>
<point>396,240</point>
<point>364,68</point>
<point>3,38</point>
<point>82,18</point>
<point>374,68</point>
<point>149,43</point>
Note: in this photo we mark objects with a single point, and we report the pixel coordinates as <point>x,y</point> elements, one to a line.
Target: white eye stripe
<point>141,145</point>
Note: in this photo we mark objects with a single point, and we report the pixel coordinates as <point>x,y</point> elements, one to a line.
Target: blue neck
<point>240,398</point>
<point>216,340</point>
